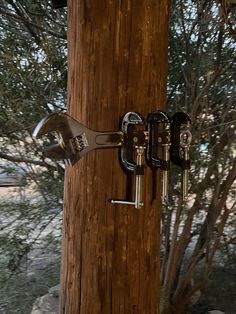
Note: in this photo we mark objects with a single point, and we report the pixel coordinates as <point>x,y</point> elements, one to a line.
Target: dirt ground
<point>220,293</point>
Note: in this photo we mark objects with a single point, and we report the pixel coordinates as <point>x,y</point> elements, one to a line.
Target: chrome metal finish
<point>181,138</point>
<point>165,177</point>
<point>138,201</point>
<point>185,141</point>
<point>158,137</point>
<point>122,202</point>
<point>74,139</point>
<point>139,179</point>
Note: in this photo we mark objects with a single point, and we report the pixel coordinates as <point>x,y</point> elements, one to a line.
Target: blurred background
<point>198,241</point>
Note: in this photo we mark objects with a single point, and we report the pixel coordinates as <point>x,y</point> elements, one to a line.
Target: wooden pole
<point>117,63</point>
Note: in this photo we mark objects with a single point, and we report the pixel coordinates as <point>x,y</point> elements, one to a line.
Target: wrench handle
<point>109,139</point>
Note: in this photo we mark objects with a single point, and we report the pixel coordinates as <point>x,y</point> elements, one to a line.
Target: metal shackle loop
<point>131,139</point>
<point>158,124</point>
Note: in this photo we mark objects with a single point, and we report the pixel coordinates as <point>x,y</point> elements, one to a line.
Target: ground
<point>220,293</point>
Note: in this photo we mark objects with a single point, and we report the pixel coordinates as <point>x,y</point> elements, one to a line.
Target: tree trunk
<point>117,63</point>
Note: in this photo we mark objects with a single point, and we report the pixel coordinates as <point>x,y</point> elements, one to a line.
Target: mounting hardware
<point>75,140</point>
<point>181,138</point>
<point>131,126</point>
<point>159,139</point>
<point>135,137</point>
<point>158,146</point>
<point>139,172</point>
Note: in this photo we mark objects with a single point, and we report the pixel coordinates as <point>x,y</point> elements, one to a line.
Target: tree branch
<point>207,87</point>
<point>19,159</point>
<point>25,21</point>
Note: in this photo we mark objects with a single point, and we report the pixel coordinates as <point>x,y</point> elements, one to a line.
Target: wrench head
<point>71,137</point>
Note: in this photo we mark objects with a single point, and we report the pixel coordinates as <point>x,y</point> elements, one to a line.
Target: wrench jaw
<point>58,152</point>
<point>74,139</point>
<point>72,142</point>
<point>55,122</point>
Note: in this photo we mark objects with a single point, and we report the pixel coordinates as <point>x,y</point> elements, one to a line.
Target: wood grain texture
<point>117,63</point>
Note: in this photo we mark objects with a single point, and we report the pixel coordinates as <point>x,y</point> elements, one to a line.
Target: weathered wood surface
<point>117,63</point>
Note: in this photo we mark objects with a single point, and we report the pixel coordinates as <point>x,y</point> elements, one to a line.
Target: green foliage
<point>33,74</point>
<point>202,83</point>
<point>21,290</point>
<point>33,63</point>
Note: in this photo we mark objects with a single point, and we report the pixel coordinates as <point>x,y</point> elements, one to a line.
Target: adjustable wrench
<point>74,139</point>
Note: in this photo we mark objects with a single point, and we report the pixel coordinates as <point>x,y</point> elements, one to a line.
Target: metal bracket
<point>158,146</point>
<point>74,139</point>
<point>131,126</point>
<point>135,142</point>
<point>139,172</point>
<point>181,138</point>
<point>161,138</point>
